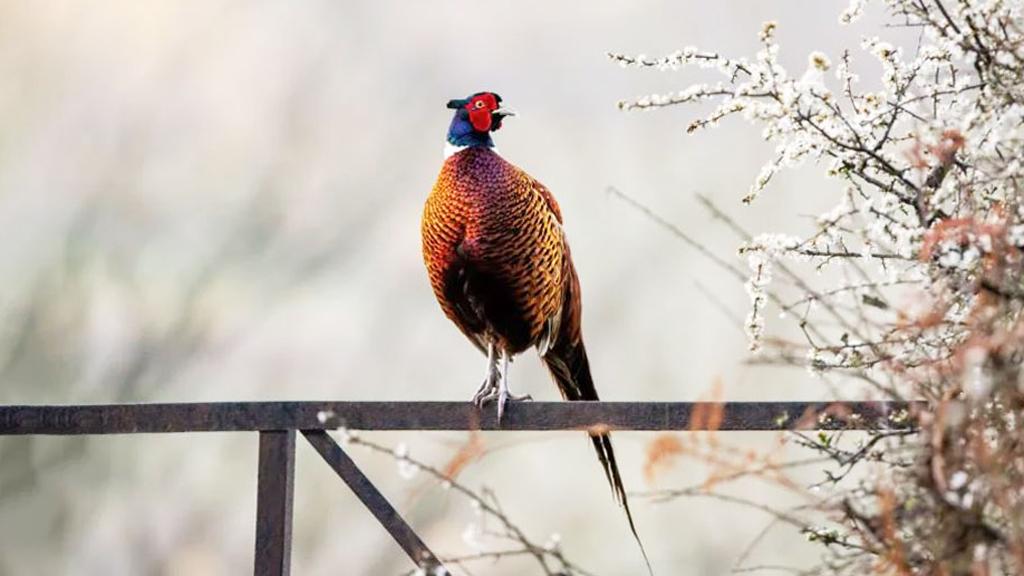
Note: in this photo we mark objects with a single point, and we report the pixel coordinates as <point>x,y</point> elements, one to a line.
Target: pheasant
<point>500,267</point>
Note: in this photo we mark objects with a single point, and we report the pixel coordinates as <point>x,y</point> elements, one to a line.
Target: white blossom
<point>852,13</point>
<point>407,469</point>
<point>471,536</point>
<point>324,416</point>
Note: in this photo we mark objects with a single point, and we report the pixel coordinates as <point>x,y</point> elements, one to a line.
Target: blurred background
<point>220,200</point>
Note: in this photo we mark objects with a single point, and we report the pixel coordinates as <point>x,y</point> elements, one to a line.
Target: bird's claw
<point>488,389</point>
<point>495,384</point>
<point>504,396</point>
<point>487,392</point>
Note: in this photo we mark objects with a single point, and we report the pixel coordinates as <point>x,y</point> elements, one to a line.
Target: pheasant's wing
<point>465,311</point>
<point>549,198</point>
<point>482,301</point>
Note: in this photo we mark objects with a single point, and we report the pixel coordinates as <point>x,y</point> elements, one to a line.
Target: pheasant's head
<point>475,118</point>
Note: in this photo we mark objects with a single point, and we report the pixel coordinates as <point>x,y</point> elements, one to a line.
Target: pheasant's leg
<point>504,393</point>
<point>489,388</point>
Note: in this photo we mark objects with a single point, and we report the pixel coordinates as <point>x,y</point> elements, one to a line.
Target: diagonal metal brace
<point>373,500</point>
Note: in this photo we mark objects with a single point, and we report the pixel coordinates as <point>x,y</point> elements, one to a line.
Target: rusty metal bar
<point>252,416</point>
<point>274,491</point>
<point>378,505</point>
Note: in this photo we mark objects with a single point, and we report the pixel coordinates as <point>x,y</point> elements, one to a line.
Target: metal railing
<point>279,422</point>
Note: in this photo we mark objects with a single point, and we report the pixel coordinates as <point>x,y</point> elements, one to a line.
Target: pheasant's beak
<point>504,112</point>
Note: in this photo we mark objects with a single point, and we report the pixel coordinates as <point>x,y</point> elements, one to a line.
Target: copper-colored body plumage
<point>500,267</point>
<point>494,250</point>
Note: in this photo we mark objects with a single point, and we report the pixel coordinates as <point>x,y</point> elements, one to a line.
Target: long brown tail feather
<point>571,370</point>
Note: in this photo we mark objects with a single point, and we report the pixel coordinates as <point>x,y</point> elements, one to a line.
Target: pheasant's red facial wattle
<point>473,121</point>
<point>480,108</point>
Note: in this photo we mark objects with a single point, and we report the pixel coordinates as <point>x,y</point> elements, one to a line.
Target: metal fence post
<point>274,491</point>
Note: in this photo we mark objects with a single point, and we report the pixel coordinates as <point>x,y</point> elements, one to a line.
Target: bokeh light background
<point>220,200</point>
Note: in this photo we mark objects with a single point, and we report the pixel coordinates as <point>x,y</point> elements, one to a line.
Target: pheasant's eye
<point>478,104</point>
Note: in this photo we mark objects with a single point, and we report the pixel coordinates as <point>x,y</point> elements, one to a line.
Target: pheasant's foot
<point>489,387</point>
<point>488,391</point>
<point>505,396</point>
<point>504,392</point>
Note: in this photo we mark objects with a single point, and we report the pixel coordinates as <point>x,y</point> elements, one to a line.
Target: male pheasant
<point>500,267</point>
